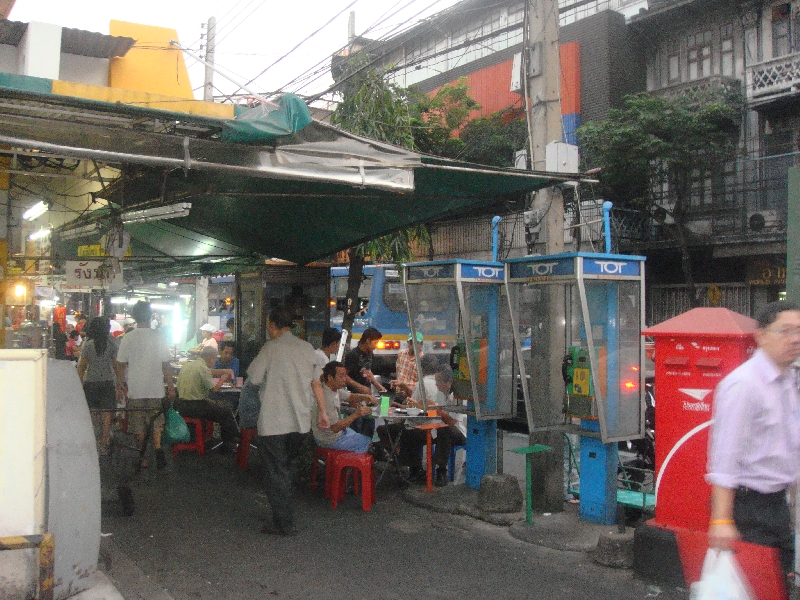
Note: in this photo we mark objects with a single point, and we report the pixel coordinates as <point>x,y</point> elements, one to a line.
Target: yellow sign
<point>580,382</point>
<point>93,250</point>
<point>714,295</point>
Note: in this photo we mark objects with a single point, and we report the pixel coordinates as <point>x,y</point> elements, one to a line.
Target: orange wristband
<point>721,522</point>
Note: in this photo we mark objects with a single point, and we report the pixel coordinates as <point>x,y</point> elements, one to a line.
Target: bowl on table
<point>413,412</point>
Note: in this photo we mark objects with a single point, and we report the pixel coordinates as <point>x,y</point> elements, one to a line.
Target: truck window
<point>339,291</point>
<point>436,296</point>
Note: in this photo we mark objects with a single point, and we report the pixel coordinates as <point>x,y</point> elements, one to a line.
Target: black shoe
<point>161,461</point>
<point>272,529</point>
<point>441,477</point>
<point>418,475</point>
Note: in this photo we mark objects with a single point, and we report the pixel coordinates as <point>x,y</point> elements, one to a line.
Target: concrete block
<point>500,493</point>
<point>615,549</point>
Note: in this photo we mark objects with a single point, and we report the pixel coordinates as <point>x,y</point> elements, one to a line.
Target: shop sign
<point>91,274</point>
<point>766,271</point>
<point>90,250</point>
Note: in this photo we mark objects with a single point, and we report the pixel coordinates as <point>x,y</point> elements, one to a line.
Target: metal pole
<point>208,82</point>
<point>607,224</point>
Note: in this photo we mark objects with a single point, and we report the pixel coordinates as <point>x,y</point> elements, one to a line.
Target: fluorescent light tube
<point>37,210</point>
<point>157,213</point>
<point>78,232</point>
<point>36,235</point>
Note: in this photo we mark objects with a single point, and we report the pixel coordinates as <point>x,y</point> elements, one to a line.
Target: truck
<point>382,304</point>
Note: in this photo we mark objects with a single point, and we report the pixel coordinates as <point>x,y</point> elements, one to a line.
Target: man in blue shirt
<point>227,360</point>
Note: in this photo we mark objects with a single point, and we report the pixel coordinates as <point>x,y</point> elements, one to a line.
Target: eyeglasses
<point>785,331</point>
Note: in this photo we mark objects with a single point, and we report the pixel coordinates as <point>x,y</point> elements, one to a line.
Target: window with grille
<point>698,54</point>
<point>726,57</point>
<point>781,30</point>
<point>674,58</point>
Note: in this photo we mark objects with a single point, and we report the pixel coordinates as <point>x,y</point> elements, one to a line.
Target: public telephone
<point>462,378</point>
<point>576,370</point>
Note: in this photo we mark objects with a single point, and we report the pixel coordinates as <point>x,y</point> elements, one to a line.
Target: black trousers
<point>218,411</point>
<point>413,440</point>
<point>279,454</point>
<point>764,519</point>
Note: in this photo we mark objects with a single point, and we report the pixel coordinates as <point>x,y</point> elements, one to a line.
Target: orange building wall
<point>490,87</point>
<point>152,65</point>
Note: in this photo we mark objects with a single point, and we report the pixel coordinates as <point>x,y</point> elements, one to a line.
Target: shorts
<point>138,420</point>
<point>101,394</point>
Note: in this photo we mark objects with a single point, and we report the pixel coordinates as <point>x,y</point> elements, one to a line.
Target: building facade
<point>738,213</point>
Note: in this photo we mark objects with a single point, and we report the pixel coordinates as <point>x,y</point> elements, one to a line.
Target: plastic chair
<point>243,451</point>
<point>203,430</point>
<point>327,455</point>
<point>451,462</point>
<point>364,464</point>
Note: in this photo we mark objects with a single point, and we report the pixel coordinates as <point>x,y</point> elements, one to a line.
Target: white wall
<point>40,51</point>
<point>84,69</point>
<point>9,59</point>
<point>22,462</point>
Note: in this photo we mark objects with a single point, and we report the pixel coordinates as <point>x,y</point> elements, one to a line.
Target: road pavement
<point>195,535</point>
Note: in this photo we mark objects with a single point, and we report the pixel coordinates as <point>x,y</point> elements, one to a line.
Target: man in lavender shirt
<point>754,454</point>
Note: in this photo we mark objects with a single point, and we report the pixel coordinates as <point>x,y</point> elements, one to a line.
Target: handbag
<point>721,578</point>
<point>175,427</point>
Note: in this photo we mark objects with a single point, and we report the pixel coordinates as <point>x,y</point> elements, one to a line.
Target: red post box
<point>693,352</point>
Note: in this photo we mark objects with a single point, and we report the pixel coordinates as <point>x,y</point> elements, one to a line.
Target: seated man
<point>413,440</point>
<point>430,365</point>
<point>226,361</point>
<point>194,385</point>
<point>339,436</point>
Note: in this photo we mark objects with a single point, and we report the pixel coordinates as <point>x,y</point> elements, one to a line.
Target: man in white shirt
<point>287,372</point>
<point>144,358</point>
<point>454,434</point>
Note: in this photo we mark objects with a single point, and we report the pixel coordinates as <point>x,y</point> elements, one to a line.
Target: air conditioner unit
<point>758,220</point>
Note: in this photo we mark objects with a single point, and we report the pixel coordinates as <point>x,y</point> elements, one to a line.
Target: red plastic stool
<point>327,455</point>
<point>199,443</point>
<point>363,463</point>
<point>245,436</point>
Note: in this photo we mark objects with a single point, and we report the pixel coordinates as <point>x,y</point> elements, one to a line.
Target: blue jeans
<point>350,441</point>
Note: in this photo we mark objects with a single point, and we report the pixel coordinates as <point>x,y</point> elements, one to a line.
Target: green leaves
<point>656,140</point>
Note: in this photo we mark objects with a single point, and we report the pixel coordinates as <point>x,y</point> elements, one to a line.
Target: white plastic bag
<point>721,578</point>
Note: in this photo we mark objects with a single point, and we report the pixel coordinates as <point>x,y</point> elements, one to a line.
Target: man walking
<point>754,452</point>
<point>144,357</point>
<point>286,370</point>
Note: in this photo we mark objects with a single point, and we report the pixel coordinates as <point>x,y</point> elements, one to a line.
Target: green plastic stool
<point>527,451</point>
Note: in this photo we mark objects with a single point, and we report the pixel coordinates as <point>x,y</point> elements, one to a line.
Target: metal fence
<point>667,301</point>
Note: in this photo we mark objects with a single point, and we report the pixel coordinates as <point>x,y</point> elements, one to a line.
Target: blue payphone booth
<point>588,309</point>
<point>479,324</point>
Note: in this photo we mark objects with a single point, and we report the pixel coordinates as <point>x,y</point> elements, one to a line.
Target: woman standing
<point>96,369</point>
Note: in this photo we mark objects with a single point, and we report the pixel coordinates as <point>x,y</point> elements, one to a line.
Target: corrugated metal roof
<point>73,41</point>
<point>11,32</point>
<point>97,45</point>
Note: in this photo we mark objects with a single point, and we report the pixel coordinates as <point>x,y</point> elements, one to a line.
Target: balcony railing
<point>776,77</point>
<point>714,82</point>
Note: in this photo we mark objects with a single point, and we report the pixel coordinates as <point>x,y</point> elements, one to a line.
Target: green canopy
<point>302,197</point>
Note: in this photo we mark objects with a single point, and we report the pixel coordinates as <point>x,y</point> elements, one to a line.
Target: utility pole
<point>547,389</point>
<point>208,82</point>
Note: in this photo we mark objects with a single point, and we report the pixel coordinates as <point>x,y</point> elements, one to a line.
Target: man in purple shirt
<point>754,454</point>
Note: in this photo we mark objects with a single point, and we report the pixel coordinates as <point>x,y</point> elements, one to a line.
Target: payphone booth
<point>470,292</point>
<point>586,311</point>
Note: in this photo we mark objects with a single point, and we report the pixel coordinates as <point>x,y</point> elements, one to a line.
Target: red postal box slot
<point>693,352</point>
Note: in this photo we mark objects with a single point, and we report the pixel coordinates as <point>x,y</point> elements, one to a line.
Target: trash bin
<point>693,352</point>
